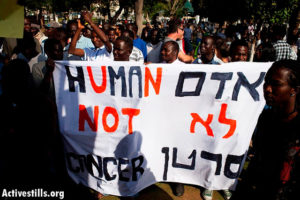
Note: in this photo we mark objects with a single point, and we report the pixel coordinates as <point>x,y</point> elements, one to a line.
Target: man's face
<point>277,91</point>
<point>27,25</point>
<point>49,32</point>
<point>154,39</point>
<point>130,27</point>
<point>57,52</point>
<point>180,32</point>
<point>207,47</point>
<point>240,53</point>
<point>121,51</point>
<point>72,30</point>
<point>105,26</point>
<point>167,53</point>
<point>96,40</point>
<point>258,52</point>
<point>112,36</point>
<point>126,34</point>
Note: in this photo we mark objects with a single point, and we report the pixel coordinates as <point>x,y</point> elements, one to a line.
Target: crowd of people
<point>27,97</point>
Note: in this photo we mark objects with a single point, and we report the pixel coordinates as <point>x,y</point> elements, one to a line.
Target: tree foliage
<point>272,11</point>
<point>166,7</point>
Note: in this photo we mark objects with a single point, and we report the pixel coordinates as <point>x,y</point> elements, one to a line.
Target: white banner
<point>127,126</point>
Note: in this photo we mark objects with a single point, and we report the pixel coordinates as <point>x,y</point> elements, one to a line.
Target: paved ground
<point>162,191</point>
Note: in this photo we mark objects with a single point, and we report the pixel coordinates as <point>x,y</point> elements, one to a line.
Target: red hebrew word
<point>106,112</point>
<point>156,84</point>
<point>197,118</point>
<point>84,116</point>
<point>224,120</point>
<point>130,112</point>
<point>102,87</point>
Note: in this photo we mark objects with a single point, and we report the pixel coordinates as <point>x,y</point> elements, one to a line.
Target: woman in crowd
<point>274,171</point>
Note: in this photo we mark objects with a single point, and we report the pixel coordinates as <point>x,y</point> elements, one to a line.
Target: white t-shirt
<point>99,54</point>
<point>136,55</point>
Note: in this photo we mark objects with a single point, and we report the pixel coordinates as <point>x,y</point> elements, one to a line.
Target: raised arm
<point>88,18</point>
<point>72,48</point>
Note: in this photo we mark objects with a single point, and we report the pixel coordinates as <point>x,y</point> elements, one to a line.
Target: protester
<point>42,72</point>
<point>28,131</point>
<point>153,43</point>
<point>136,54</point>
<point>145,32</point>
<point>265,52</point>
<point>112,35</point>
<point>27,50</point>
<point>175,32</point>
<point>82,42</point>
<point>169,52</point>
<point>138,42</point>
<point>238,51</point>
<point>188,39</point>
<point>50,27</point>
<point>207,52</point>
<point>122,49</point>
<point>100,41</point>
<point>282,48</point>
<point>273,171</point>
<point>222,49</point>
<point>10,45</point>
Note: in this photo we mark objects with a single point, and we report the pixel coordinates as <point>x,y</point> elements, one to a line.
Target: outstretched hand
<point>87,16</point>
<point>80,26</point>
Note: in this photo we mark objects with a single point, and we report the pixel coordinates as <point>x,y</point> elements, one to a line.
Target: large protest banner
<point>126,126</point>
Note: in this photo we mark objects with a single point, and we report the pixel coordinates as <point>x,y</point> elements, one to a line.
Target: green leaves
<point>272,11</point>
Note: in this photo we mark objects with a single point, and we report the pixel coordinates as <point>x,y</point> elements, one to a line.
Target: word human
<point>127,85</point>
<point>113,76</point>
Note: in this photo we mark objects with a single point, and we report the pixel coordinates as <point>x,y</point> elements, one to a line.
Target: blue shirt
<point>141,45</point>
<point>82,43</point>
<point>187,33</point>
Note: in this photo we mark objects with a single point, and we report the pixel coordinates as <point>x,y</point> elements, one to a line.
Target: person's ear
<point>293,92</point>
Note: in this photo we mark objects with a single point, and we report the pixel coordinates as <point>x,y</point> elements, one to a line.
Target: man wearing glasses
<point>175,33</point>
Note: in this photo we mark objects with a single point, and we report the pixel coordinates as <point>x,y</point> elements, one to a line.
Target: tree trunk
<point>138,9</point>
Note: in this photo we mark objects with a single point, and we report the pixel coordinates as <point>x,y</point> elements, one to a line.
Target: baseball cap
<point>52,24</point>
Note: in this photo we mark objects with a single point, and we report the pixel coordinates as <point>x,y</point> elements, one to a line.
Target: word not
<point>84,116</point>
<point>222,77</point>
<point>113,76</point>
<point>222,119</point>
<point>128,170</point>
<point>230,159</point>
